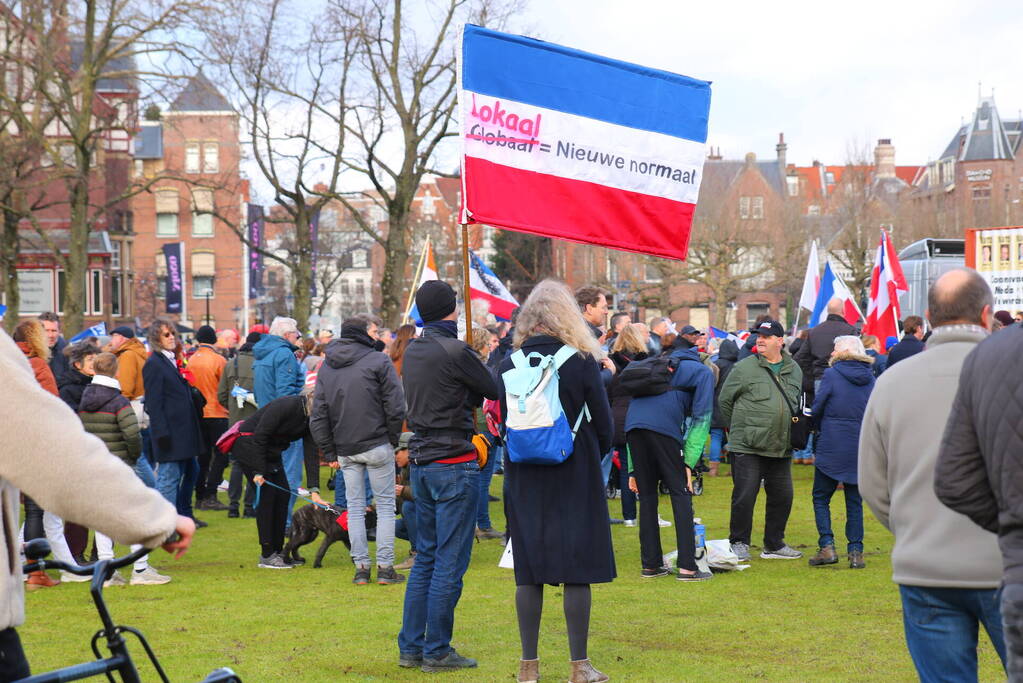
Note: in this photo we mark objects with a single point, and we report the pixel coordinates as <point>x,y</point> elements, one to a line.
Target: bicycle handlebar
<point>43,564</point>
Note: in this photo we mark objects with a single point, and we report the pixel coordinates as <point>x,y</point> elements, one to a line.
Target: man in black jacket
<point>814,354</point>
<point>444,381</point>
<point>980,466</point>
<point>358,411</point>
<point>912,341</point>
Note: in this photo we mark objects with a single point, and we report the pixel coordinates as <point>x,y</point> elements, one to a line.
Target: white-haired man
<point>278,373</point>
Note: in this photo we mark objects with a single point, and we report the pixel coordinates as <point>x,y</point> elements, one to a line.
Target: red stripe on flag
<point>576,210</point>
<point>498,306</point>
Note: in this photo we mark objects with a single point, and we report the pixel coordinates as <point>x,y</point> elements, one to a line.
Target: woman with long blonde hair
<point>557,514</point>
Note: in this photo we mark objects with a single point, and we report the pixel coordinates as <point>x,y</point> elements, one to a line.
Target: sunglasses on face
<point>168,334</point>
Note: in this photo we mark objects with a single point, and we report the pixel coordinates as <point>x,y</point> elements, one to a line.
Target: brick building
<point>195,144</point>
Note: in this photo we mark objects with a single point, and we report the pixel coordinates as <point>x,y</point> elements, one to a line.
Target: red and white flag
<point>886,283</point>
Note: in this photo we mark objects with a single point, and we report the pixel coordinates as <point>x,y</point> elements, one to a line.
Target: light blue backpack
<point>536,429</point>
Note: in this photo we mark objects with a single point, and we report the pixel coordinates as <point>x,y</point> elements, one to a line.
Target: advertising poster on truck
<point>997,254</point>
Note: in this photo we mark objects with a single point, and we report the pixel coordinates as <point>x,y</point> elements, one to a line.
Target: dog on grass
<point>309,520</point>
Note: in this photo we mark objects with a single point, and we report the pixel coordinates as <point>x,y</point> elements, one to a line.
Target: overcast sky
<point>831,76</point>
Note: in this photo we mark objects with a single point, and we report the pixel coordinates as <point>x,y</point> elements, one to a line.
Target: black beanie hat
<point>435,300</point>
<point>206,335</point>
<point>253,337</point>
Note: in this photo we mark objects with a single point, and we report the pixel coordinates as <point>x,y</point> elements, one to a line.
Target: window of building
<point>116,294</point>
<point>829,178</point>
<point>192,157</point>
<point>166,213</point>
<point>203,270</point>
<point>360,288</point>
<point>744,207</point>
<point>651,273</point>
<point>793,184</point>
<point>140,168</point>
<point>345,290</point>
<point>161,287</point>
<point>96,292</point>
<point>754,311</point>
<point>360,259</point>
<point>202,218</point>
<point>210,157</point>
<point>981,191</point>
<point>428,204</point>
<point>67,156</point>
<point>271,278</point>
<point>758,207</point>
<point>813,210</point>
<point>115,255</point>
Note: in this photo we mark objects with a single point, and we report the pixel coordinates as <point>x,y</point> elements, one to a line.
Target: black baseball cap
<point>770,328</point>
<point>688,329</point>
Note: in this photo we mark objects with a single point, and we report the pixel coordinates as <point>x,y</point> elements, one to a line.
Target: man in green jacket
<point>759,420</point>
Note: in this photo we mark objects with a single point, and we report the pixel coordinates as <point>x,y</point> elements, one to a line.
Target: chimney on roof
<point>714,156</point>
<point>751,159</point>
<point>884,159</point>
<point>781,148</point>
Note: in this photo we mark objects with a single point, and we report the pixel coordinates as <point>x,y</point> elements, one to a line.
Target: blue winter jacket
<point>838,410</point>
<point>277,371</point>
<point>667,413</point>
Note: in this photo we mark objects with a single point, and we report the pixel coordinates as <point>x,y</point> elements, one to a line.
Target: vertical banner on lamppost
<point>255,237</point>
<point>314,238</point>
<point>173,253</point>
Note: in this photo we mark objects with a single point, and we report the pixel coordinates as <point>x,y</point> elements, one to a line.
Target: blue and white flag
<point>97,330</point>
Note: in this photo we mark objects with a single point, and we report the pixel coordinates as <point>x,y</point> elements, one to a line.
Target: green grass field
<point>778,621</point>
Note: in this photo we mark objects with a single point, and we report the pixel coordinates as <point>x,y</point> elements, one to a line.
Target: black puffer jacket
<point>359,402</point>
<point>980,465</point>
<point>815,353</point>
<point>444,381</point>
<point>273,427</point>
<point>620,400</point>
<point>73,387</point>
<point>728,355</point>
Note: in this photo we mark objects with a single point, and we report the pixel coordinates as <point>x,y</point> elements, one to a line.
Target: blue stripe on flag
<point>824,295</point>
<point>575,82</point>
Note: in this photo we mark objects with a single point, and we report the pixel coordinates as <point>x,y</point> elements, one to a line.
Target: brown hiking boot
<point>583,672</point>
<point>825,555</point>
<point>856,560</point>
<point>409,563</point>
<point>529,670</point>
<point>40,579</point>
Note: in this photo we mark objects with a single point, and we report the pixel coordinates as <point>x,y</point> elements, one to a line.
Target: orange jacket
<point>206,366</point>
<point>41,369</point>
<point>130,359</point>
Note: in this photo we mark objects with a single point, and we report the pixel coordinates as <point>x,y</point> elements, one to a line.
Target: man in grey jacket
<point>47,454</point>
<point>948,569</point>
<point>357,416</point>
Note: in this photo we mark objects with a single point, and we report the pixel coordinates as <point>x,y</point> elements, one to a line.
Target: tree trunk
<point>302,272</point>
<point>77,259</point>
<point>395,260</point>
<point>9,249</point>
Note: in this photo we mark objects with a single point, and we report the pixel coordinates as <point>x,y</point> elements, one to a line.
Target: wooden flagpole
<point>468,290</point>
<point>415,281</point>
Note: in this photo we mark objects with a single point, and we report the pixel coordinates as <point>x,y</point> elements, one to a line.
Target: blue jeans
<point>405,526</point>
<point>824,488</point>
<point>176,481</point>
<point>483,505</point>
<point>717,441</point>
<point>445,516</point>
<point>145,472</point>
<point>605,468</point>
<point>293,459</point>
<point>941,629</point>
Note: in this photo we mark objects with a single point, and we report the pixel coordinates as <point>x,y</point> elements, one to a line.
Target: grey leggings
<point>529,605</point>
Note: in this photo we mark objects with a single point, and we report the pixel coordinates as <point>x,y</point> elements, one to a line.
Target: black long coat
<point>557,515</point>
<point>173,421</point>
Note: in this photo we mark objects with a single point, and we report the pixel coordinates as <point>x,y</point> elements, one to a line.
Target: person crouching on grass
<point>106,413</point>
<point>262,439</point>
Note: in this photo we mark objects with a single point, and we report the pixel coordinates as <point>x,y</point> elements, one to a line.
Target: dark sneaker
<point>741,551</point>
<point>448,662</point>
<point>361,576</point>
<point>786,552</point>
<point>855,560</point>
<point>654,573</point>
<point>487,534</point>
<point>275,561</point>
<point>249,513</point>
<point>409,661</point>
<point>293,561</point>
<point>199,524</point>
<point>825,555</point>
<point>387,575</point>
<point>698,576</point>
<point>233,513</point>
<point>211,503</point>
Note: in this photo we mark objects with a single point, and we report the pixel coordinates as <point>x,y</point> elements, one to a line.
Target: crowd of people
<point>573,404</point>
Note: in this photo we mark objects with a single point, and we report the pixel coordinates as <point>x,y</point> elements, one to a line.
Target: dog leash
<point>324,506</point>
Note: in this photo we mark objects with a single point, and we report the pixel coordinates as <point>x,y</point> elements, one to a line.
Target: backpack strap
<point>563,354</point>
<point>585,412</point>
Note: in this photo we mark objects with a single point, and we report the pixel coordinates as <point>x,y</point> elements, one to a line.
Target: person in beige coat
<point>53,460</point>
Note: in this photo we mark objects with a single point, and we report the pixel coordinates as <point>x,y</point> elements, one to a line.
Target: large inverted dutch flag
<point>572,145</point>
<point>484,285</point>
<point>886,284</point>
<point>832,287</point>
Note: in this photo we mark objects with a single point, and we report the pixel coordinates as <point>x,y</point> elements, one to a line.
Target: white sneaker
<point>148,577</point>
<point>222,486</point>
<point>629,523</point>
<point>68,577</point>
<point>662,522</point>
<point>116,580</point>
